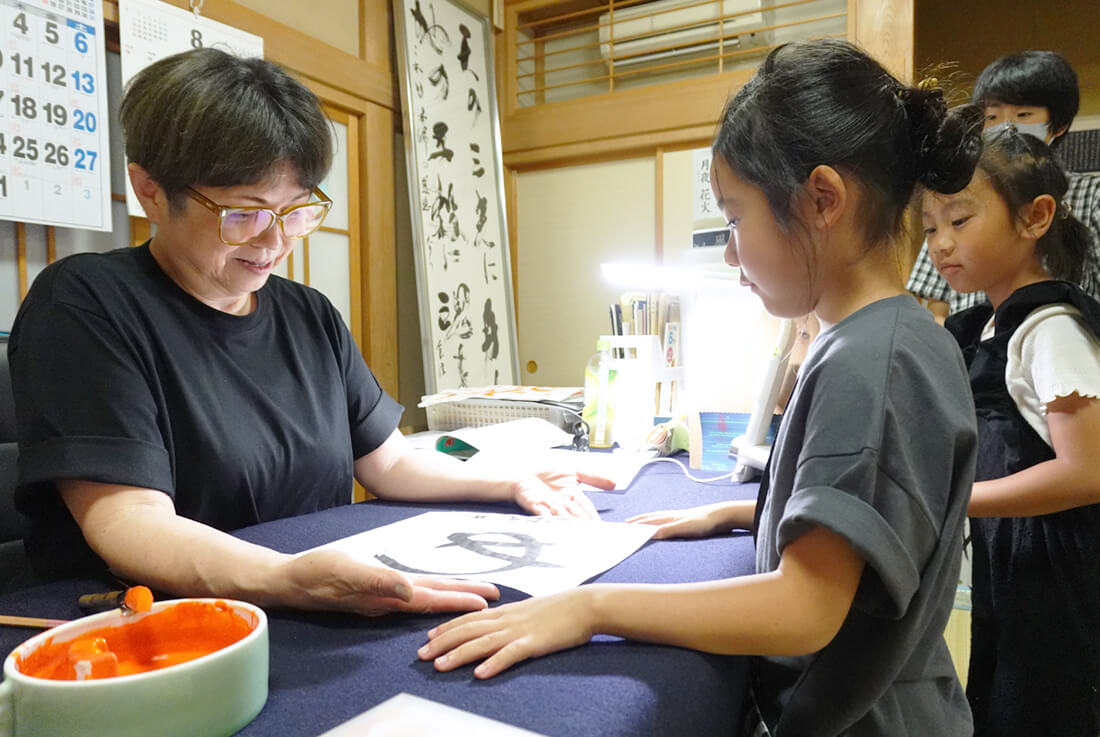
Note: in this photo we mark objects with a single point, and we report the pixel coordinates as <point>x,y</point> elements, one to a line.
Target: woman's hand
<point>511,633</point>
<point>545,484</point>
<point>558,493</point>
<point>540,483</point>
<point>139,534</point>
<point>334,580</point>
<point>704,521</point>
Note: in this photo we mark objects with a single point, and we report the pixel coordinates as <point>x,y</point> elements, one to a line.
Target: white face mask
<point>1039,130</point>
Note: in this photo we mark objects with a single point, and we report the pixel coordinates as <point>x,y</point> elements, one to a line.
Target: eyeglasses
<point>239,226</point>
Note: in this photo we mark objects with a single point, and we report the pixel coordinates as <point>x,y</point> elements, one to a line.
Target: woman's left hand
<point>558,493</point>
<point>546,484</point>
<point>511,633</point>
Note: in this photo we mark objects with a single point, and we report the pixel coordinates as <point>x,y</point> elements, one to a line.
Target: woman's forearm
<point>397,472</point>
<point>138,534</point>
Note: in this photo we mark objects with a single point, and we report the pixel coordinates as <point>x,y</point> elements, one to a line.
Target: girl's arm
<point>794,610</point>
<point>396,471</point>
<point>711,519</point>
<point>1067,481</point>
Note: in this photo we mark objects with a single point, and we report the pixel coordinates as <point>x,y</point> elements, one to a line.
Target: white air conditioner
<point>667,28</point>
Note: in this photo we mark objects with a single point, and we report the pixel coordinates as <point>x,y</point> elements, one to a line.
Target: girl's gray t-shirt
<point>877,444</point>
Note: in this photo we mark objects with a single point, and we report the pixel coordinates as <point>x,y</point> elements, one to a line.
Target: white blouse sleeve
<point>1052,354</point>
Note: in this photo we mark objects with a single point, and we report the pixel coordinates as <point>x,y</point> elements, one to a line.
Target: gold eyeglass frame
<point>222,210</point>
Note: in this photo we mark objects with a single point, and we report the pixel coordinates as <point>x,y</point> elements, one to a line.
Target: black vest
<point>1006,442</point>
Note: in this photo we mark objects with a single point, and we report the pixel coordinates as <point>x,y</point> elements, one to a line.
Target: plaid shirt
<point>1083,200</point>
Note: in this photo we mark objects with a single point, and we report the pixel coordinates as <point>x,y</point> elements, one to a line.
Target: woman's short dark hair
<point>1033,78</point>
<point>828,102</point>
<point>205,117</point>
<point>1020,168</point>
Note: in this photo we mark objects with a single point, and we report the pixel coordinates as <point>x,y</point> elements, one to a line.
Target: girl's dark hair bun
<point>826,102</point>
<point>947,142</point>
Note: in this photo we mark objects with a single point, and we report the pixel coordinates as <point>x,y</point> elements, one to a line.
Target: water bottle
<point>599,410</point>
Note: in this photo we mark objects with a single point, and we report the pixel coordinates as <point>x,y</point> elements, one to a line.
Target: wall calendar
<point>150,30</point>
<point>54,163</point>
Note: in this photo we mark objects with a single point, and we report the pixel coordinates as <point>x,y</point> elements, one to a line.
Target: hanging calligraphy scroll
<point>452,145</point>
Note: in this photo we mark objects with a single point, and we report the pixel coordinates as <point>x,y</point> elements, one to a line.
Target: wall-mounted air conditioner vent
<point>668,28</point>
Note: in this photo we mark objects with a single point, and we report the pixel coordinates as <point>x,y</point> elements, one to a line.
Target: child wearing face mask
<point>1034,360</point>
<point>1037,92</point>
<point>859,522</point>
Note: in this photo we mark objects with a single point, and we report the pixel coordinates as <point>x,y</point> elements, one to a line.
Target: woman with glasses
<point>173,391</point>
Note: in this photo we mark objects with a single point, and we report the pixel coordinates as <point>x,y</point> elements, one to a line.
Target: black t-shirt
<point>122,377</point>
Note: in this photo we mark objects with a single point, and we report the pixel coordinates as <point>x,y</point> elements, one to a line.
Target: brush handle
<point>38,622</point>
<point>92,603</point>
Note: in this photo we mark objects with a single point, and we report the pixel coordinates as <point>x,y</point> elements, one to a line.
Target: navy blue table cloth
<point>327,668</point>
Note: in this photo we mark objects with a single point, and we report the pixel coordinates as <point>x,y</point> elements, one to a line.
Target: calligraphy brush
<point>37,622</point>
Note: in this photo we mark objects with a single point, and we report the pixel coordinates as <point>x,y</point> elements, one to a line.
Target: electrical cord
<point>687,473</point>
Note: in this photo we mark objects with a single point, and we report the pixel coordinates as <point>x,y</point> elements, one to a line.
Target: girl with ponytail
<point>859,521</point>
<point>1034,361</point>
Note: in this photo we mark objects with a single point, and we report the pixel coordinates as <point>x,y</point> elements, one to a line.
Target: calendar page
<point>150,30</point>
<point>54,162</point>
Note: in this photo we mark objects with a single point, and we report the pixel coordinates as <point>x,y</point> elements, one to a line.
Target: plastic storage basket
<point>480,412</point>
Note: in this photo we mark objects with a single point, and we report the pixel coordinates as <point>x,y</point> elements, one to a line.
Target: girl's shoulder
<point>1054,353</point>
<point>1055,325</point>
<point>894,342</point>
<point>1028,305</point>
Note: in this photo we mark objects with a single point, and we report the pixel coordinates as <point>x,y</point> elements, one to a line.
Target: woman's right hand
<point>140,536</point>
<point>711,519</point>
<point>334,580</point>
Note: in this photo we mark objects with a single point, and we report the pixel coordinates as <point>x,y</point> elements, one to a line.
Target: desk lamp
<point>724,328</point>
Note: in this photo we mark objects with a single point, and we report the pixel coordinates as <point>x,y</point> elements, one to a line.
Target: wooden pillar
<point>885,29</point>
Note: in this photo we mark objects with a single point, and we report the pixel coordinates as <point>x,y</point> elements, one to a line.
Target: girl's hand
<point>334,581</point>
<point>511,633</point>
<point>704,521</point>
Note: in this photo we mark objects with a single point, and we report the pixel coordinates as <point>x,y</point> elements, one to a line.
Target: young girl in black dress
<point>1034,362</point>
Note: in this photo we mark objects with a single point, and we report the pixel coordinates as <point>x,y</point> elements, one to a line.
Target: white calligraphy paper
<point>536,555</point>
<point>406,715</point>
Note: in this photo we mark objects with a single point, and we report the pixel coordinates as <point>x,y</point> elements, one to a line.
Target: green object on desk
<point>451,445</point>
